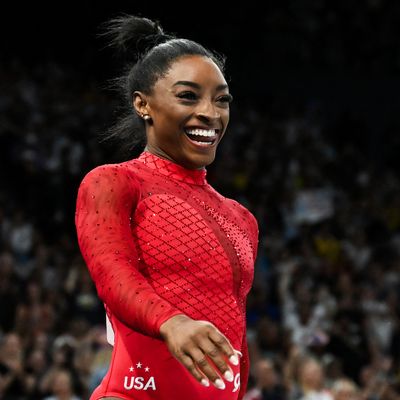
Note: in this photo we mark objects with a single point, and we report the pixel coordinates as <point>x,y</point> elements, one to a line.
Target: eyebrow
<point>196,85</point>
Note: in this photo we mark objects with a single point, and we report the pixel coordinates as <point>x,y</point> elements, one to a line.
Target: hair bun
<point>132,36</point>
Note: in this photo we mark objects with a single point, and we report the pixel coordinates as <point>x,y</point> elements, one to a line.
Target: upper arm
<point>106,198</point>
<point>109,190</point>
<point>254,233</point>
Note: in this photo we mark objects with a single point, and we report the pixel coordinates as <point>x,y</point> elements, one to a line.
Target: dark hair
<point>148,53</point>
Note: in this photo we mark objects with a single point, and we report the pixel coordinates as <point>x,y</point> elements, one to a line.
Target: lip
<point>198,145</point>
<point>205,128</point>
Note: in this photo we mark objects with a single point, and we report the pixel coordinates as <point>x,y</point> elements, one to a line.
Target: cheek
<point>171,116</point>
<point>225,117</point>
<point>166,130</point>
<point>225,120</point>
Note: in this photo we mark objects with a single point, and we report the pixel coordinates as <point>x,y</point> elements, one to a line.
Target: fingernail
<point>238,352</point>
<point>219,384</point>
<point>234,359</point>
<point>205,382</point>
<point>228,376</point>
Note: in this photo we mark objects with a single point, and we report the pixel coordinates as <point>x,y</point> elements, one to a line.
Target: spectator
<point>322,184</point>
<point>310,381</point>
<point>62,387</point>
<point>345,389</point>
<point>267,382</point>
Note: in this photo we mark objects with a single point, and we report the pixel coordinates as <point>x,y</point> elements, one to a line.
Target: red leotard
<point>160,241</point>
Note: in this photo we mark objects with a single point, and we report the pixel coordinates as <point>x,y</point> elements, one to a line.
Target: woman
<point>171,258</point>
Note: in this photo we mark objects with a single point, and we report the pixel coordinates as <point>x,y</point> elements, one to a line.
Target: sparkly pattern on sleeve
<point>106,199</point>
<point>254,234</point>
<point>245,360</point>
<point>244,369</point>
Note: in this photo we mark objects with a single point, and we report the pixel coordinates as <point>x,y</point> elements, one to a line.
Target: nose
<point>207,111</point>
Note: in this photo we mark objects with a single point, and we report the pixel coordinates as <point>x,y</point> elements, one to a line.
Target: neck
<point>158,152</point>
<point>162,154</point>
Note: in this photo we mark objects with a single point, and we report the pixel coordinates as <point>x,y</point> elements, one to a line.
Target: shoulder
<point>241,212</point>
<point>248,222</point>
<point>109,183</point>
<point>111,174</point>
<point>245,214</point>
<point>106,170</point>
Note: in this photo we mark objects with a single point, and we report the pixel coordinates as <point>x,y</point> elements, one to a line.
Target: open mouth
<point>202,137</point>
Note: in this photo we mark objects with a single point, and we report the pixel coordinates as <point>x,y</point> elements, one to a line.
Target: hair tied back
<point>133,36</point>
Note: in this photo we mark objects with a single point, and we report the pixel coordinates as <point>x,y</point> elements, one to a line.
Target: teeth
<point>202,132</point>
<point>203,143</point>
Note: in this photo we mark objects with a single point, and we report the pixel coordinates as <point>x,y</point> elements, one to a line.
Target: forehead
<point>198,69</point>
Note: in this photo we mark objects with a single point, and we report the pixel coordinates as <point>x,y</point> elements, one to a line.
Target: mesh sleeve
<point>106,199</point>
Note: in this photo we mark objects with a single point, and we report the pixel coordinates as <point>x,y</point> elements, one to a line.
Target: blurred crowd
<point>354,36</point>
<point>323,313</point>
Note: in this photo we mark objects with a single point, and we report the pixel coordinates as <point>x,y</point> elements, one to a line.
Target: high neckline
<point>173,170</point>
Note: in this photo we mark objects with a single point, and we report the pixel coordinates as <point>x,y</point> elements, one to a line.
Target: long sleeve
<point>245,362</point>
<point>244,368</point>
<point>254,235</point>
<point>107,196</point>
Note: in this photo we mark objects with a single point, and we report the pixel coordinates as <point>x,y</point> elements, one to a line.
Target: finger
<point>217,357</point>
<point>203,364</point>
<point>191,367</point>
<point>223,343</point>
<point>238,352</point>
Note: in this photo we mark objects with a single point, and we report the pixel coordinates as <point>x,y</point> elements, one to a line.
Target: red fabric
<point>159,241</point>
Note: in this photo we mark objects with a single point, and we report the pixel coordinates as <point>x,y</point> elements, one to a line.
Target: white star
<point>147,369</point>
<point>139,365</point>
<point>131,369</point>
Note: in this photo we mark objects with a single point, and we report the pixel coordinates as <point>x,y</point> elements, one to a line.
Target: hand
<point>201,348</point>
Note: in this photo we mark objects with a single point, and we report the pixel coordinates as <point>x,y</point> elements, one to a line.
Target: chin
<point>197,161</point>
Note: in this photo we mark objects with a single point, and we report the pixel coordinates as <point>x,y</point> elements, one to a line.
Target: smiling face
<point>189,110</point>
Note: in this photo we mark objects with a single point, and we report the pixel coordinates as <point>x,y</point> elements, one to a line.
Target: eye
<point>187,95</point>
<point>226,98</point>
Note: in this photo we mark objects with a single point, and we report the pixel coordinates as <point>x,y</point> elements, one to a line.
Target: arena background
<point>312,149</point>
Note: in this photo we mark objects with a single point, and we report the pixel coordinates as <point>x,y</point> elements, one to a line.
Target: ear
<point>140,103</point>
